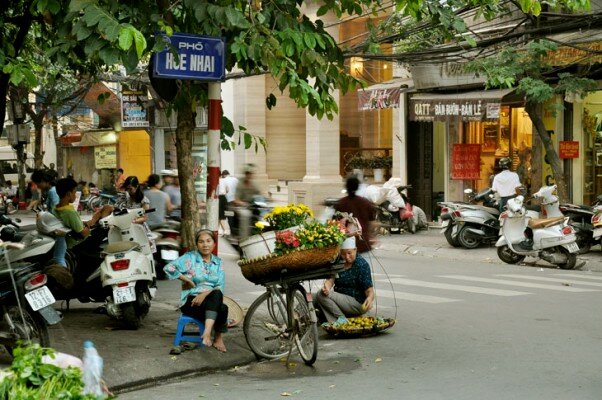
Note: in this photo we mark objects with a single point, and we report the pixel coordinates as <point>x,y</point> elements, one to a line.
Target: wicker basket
<point>270,268</point>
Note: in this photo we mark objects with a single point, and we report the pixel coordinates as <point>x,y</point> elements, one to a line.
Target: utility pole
<point>213,158</point>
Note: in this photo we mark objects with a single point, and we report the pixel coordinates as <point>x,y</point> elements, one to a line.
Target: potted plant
<point>357,163</point>
<point>378,165</point>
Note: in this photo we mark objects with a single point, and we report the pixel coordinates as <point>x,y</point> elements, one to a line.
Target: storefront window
<point>510,136</point>
<point>592,143</point>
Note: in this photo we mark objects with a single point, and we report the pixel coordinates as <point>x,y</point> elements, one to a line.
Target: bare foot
<point>218,343</point>
<point>207,340</point>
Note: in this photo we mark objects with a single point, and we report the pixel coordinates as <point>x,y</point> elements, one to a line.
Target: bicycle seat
<point>544,222</point>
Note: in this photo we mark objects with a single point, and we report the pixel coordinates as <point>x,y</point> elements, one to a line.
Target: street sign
<point>200,58</point>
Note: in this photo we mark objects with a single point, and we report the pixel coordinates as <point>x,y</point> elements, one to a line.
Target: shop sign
<point>133,108</point>
<point>431,76</point>
<point>466,162</point>
<point>378,99</point>
<point>196,57</point>
<point>441,110</point>
<point>105,157</point>
<point>568,149</point>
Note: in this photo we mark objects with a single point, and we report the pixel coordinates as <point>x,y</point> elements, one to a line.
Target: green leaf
<point>31,79</point>
<point>109,55</point>
<point>126,38</point>
<point>140,42</point>
<point>76,6</point>
<point>112,32</point>
<point>227,128</point>
<point>248,140</point>
<point>82,33</point>
<point>323,10</point>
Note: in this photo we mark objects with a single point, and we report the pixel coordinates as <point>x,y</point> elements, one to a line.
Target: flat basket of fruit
<point>270,267</point>
<point>358,326</point>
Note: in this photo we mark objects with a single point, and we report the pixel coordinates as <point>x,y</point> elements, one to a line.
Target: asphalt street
<point>466,329</point>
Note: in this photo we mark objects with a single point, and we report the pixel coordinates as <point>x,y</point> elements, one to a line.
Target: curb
<point>177,376</point>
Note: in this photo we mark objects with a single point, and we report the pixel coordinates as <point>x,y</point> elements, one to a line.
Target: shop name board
<point>568,149</point>
<point>105,157</point>
<point>466,162</point>
<point>470,110</point>
<point>191,57</point>
<point>133,108</point>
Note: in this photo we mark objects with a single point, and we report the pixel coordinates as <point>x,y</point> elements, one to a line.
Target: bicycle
<point>284,316</point>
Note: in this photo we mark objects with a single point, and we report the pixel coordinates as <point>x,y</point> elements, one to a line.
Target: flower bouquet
<point>288,216</point>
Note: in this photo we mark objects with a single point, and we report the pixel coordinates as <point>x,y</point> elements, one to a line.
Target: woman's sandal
<point>189,346</point>
<point>176,350</point>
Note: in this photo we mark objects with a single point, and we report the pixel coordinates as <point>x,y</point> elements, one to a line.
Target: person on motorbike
<point>66,189</point>
<point>45,183</point>
<point>158,200</point>
<point>351,292</point>
<point>135,198</point>
<point>172,188</point>
<point>246,191</point>
<point>505,183</point>
<point>362,209</point>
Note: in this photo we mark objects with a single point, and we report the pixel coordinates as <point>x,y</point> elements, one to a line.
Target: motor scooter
<point>550,239</point>
<point>597,221</point>
<point>168,241</point>
<point>128,272</point>
<point>243,221</point>
<point>25,300</point>
<point>476,223</point>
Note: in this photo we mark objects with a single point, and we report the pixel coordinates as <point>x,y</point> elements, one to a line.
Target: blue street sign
<point>201,58</point>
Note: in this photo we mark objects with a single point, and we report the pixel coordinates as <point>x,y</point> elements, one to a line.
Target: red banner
<point>568,149</point>
<point>466,162</point>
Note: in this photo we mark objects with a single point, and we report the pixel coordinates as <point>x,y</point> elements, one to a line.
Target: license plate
<point>169,255</point>
<point>572,247</point>
<point>40,298</point>
<point>124,294</point>
<point>445,223</point>
<point>597,233</point>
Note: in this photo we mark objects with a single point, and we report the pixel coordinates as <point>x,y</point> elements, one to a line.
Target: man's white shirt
<point>505,183</point>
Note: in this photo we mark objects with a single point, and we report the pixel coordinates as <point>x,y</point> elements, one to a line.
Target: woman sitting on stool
<point>351,293</point>
<point>203,280</point>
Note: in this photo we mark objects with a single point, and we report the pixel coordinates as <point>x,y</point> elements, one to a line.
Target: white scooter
<point>128,267</point>
<point>553,240</point>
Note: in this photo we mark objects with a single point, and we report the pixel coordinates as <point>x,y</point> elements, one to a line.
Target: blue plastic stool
<point>181,337</point>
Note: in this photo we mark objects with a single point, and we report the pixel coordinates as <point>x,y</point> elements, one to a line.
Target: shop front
<point>480,128</point>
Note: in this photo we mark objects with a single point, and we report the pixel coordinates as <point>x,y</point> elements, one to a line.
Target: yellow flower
<point>259,225</point>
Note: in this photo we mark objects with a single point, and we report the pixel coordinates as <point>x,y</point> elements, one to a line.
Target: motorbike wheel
<point>571,259</point>
<point>508,256</point>
<point>448,236</point>
<point>584,242</point>
<point>466,240</point>
<point>131,319</point>
<point>34,324</point>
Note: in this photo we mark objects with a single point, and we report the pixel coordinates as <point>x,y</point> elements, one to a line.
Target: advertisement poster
<point>466,162</point>
<point>105,157</point>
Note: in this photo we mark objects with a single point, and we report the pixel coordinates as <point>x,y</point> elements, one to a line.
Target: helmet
<point>505,163</point>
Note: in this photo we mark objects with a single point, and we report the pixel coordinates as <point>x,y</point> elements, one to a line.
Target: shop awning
<point>470,106</point>
<point>94,138</point>
<point>383,95</point>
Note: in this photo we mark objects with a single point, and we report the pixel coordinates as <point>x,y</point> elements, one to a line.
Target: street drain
<point>277,369</point>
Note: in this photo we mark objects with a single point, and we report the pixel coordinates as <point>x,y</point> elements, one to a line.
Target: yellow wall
<point>135,153</point>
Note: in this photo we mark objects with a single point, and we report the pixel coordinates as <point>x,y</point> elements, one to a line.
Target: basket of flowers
<point>312,246</point>
<point>263,242</point>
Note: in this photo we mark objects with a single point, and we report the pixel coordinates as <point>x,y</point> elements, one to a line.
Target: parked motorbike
<point>128,271</point>
<point>581,218</point>
<point>468,224</point>
<point>96,200</point>
<point>550,239</point>
<point>169,245</point>
<point>25,300</point>
<point>597,221</point>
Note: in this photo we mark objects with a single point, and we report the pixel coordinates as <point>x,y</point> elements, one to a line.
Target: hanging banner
<point>105,157</point>
<point>133,108</point>
<point>466,162</point>
<point>378,99</point>
<point>469,110</point>
<point>568,149</point>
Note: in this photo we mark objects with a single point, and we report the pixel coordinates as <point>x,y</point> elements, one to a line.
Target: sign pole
<point>213,159</point>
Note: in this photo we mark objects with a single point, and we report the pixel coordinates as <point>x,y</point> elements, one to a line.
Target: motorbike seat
<point>120,247</point>
<point>539,223</point>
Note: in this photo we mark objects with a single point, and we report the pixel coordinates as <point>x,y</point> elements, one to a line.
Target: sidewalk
<point>432,244</point>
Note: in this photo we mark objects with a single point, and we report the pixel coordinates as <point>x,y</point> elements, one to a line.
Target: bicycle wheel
<point>304,324</point>
<point>265,327</point>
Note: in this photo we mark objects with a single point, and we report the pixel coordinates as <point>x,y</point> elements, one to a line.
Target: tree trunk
<point>534,112</point>
<point>38,154</point>
<point>191,221</point>
<point>59,148</point>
